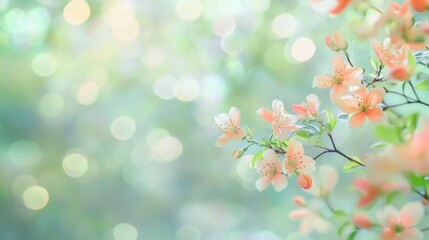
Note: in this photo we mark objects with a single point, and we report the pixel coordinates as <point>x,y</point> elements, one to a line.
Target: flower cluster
<point>396,170</point>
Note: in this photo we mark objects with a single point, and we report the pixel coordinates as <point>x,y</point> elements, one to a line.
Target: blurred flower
<point>340,79</point>
<point>299,201</point>
<point>371,190</point>
<point>309,108</point>
<point>281,121</point>
<point>361,220</point>
<point>337,42</point>
<point>390,54</point>
<point>270,170</point>
<point>401,225</point>
<point>328,178</point>
<point>420,5</point>
<point>341,5</point>
<point>230,125</point>
<point>304,181</point>
<point>401,72</point>
<point>311,220</point>
<point>297,162</point>
<point>362,104</point>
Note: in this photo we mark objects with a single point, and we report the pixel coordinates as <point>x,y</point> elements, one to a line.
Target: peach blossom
<point>270,170</point>
<point>389,53</point>
<point>340,79</point>
<point>337,42</point>
<point>361,220</point>
<point>341,5</point>
<point>400,225</point>
<point>304,181</point>
<point>281,121</point>
<point>310,220</point>
<point>327,179</point>
<point>401,72</point>
<point>296,161</point>
<point>371,190</point>
<point>363,104</point>
<point>299,201</point>
<point>230,125</point>
<point>308,109</point>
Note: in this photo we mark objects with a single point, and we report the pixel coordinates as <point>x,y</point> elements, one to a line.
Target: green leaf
<point>375,63</point>
<point>352,235</point>
<point>423,85</point>
<point>416,180</point>
<point>343,116</point>
<point>411,122</point>
<point>342,228</point>
<point>257,157</point>
<point>331,120</point>
<point>390,197</point>
<point>357,159</point>
<point>411,61</point>
<point>340,213</point>
<point>388,134</point>
<point>350,166</point>
<point>422,76</point>
<point>303,133</point>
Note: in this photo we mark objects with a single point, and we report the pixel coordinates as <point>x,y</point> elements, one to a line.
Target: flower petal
<point>262,183</point>
<point>338,91</point>
<point>279,182</point>
<point>386,215</point>
<point>223,139</point>
<point>265,114</point>
<point>411,214</point>
<point>338,63</point>
<point>357,120</point>
<point>234,115</point>
<point>222,120</point>
<point>376,95</point>
<point>347,104</point>
<point>412,234</point>
<point>375,114</point>
<point>295,151</point>
<point>321,82</point>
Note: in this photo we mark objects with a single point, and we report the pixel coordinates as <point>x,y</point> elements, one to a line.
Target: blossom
<point>305,181</point>
<point>311,220</point>
<point>328,178</point>
<point>361,220</point>
<point>230,125</point>
<point>309,108</point>
<point>401,72</point>
<point>341,5</point>
<point>400,225</point>
<point>337,42</point>
<point>389,53</point>
<point>362,104</point>
<point>371,190</point>
<point>281,121</point>
<point>270,170</point>
<point>340,79</point>
<point>296,161</point>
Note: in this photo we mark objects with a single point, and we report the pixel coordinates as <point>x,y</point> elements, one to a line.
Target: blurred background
<point>107,106</point>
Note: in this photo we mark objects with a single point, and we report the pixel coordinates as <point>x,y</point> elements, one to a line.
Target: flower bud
<point>425,202</point>
<point>401,72</point>
<point>337,42</point>
<point>304,181</point>
<point>237,153</point>
<point>420,5</point>
<point>361,220</point>
<point>299,201</point>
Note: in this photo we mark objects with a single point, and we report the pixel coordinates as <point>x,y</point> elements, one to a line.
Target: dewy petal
<point>299,109</point>
<point>321,82</point>
<point>262,183</point>
<point>357,120</point>
<point>278,107</point>
<point>265,114</point>
<point>338,63</point>
<point>234,115</point>
<point>223,139</point>
<point>376,95</point>
<point>279,182</point>
<point>411,214</point>
<point>295,151</point>
<point>353,76</point>
<point>375,114</point>
<point>305,165</point>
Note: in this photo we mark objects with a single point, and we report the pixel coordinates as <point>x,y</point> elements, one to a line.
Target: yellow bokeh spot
<point>76,12</point>
<point>75,165</point>
<point>303,49</point>
<point>35,197</point>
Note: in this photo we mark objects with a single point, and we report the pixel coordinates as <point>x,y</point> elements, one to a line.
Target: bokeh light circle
<point>303,49</point>
<point>164,87</point>
<point>123,128</point>
<point>187,89</point>
<point>35,197</point>
<point>87,93</point>
<point>44,65</point>
<point>76,12</point>
<point>167,149</point>
<point>257,6</point>
<point>125,231</point>
<point>189,10</point>
<point>75,165</point>
<point>284,25</point>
